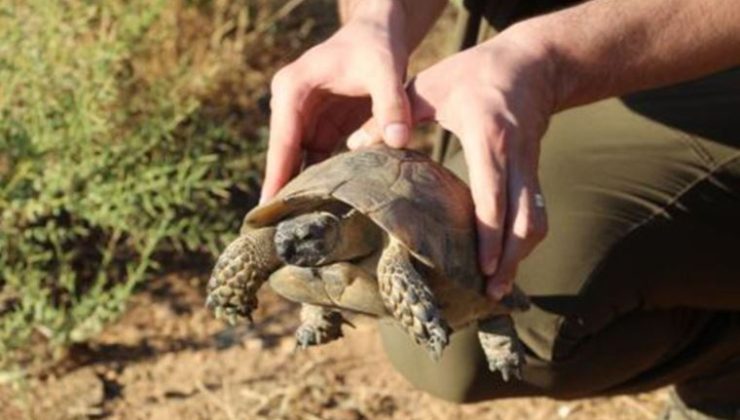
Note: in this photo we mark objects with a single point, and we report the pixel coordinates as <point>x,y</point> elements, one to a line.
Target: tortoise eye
<point>303,233</point>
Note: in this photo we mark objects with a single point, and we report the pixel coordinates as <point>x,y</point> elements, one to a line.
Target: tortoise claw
<point>507,370</point>
<point>306,337</point>
<point>218,313</point>
<point>437,341</point>
<point>503,350</point>
<point>210,303</point>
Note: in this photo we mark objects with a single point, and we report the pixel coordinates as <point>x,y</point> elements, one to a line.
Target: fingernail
<point>396,134</point>
<point>490,267</point>
<point>263,198</point>
<point>498,291</point>
<point>358,139</point>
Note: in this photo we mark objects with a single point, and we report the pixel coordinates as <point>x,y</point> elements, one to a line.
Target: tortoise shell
<point>411,197</point>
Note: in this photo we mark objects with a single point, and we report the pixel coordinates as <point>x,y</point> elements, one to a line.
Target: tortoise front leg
<point>501,346</point>
<point>239,273</point>
<point>409,299</point>
<point>319,325</point>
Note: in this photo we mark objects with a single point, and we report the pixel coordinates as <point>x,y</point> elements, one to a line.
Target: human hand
<point>336,86</point>
<point>497,98</point>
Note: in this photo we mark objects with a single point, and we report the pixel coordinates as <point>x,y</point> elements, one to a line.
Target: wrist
<point>406,21</point>
<point>384,19</point>
<point>384,14</point>
<point>535,61</point>
<point>541,35</point>
<point>421,15</point>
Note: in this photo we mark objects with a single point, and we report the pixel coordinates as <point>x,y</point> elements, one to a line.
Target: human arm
<point>337,85</point>
<point>419,16</point>
<point>498,97</point>
<point>607,48</point>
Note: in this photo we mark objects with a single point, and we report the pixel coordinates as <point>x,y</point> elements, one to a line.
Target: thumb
<point>391,109</point>
<point>365,136</point>
<point>417,96</point>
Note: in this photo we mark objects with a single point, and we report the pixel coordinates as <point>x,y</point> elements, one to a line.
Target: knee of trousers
<point>451,378</point>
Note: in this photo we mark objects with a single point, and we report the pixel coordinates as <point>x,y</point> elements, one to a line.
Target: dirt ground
<point>168,358</point>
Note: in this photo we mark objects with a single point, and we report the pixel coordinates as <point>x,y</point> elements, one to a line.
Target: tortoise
<point>379,231</point>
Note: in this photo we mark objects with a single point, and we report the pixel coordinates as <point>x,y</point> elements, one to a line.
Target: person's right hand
<point>333,88</point>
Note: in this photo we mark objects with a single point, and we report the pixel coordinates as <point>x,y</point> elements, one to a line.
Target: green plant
<point>110,164</point>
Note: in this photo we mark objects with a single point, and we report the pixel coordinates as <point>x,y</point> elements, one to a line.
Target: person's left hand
<point>497,98</point>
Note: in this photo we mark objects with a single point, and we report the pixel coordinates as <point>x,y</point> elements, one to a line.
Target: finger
<point>284,152</point>
<point>367,135</point>
<point>484,145</point>
<point>391,108</point>
<point>526,228</point>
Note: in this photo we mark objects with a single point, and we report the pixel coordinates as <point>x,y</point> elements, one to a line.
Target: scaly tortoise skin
<point>380,231</point>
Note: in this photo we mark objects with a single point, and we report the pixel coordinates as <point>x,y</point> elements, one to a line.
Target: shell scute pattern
<point>413,199</point>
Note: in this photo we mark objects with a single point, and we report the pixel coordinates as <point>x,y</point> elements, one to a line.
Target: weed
<point>119,151</point>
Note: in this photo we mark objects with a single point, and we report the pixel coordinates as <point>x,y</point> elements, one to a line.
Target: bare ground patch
<point>169,359</point>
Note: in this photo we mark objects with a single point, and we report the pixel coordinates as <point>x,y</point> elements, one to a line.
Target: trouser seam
<point>662,211</point>
<point>703,154</point>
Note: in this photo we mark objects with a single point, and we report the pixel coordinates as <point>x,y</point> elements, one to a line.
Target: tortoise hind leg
<point>410,301</point>
<point>239,273</point>
<point>319,325</point>
<point>501,346</point>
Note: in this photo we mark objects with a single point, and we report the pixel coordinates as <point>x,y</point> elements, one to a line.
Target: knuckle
<point>388,88</point>
<point>381,56</point>
<point>284,80</point>
<point>389,110</point>
<point>462,97</point>
<point>497,133</point>
<point>538,231</point>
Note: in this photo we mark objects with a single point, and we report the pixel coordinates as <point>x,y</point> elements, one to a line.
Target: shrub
<point>122,147</point>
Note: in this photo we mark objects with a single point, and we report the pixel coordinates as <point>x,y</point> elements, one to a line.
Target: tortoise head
<point>308,239</point>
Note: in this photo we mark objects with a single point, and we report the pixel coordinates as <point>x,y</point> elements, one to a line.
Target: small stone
<point>254,344</point>
<point>110,375</point>
<point>564,411</point>
<point>344,414</point>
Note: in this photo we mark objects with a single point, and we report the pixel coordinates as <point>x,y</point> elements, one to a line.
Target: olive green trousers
<point>637,284</point>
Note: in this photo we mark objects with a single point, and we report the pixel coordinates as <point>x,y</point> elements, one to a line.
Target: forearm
<point>605,48</point>
<point>415,16</point>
